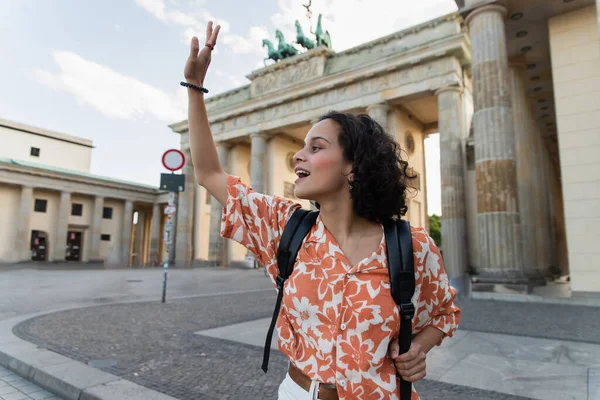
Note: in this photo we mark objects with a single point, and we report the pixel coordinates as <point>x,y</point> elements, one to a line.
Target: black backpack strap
<point>293,234</point>
<point>402,282</point>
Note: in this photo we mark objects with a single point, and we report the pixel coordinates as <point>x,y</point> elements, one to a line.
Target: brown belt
<point>325,393</point>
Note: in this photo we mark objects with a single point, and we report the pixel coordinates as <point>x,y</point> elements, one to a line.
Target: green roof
<point>73,173</point>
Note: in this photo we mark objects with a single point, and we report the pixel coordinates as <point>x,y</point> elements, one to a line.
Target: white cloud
<point>251,43</point>
<point>111,93</point>
<point>235,80</point>
<point>352,22</point>
<point>193,23</point>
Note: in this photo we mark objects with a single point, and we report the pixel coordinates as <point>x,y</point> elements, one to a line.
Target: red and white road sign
<point>173,160</point>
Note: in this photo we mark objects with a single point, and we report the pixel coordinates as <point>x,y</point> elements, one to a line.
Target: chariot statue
<point>285,50</point>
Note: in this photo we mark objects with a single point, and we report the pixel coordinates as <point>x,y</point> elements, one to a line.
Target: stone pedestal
<point>454,231</point>
<point>379,112</point>
<point>96,230</point>
<point>257,161</point>
<point>217,251</point>
<point>62,227</point>
<point>23,233</point>
<point>126,236</point>
<point>185,217</point>
<point>495,161</point>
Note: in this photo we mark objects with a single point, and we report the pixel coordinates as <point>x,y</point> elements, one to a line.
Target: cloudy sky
<point>110,70</point>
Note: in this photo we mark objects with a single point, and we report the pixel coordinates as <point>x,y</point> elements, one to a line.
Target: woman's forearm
<point>428,338</point>
<point>202,147</point>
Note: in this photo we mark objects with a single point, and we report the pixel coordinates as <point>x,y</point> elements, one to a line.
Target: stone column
<point>550,222</point>
<point>23,232</point>
<point>379,112</point>
<point>495,162</point>
<point>454,230</point>
<point>96,231</point>
<point>257,161</point>
<point>155,235</point>
<point>185,216</point>
<point>138,245</point>
<point>62,227</point>
<point>530,178</point>
<point>217,245</point>
<point>126,236</point>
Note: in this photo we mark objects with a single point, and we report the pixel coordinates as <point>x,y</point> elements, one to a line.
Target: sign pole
<point>173,160</point>
<point>168,246</point>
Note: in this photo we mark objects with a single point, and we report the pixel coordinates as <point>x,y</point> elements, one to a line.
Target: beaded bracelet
<point>200,88</point>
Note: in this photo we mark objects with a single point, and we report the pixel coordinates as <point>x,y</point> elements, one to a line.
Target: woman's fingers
<point>209,30</point>
<point>213,37</point>
<point>402,366</point>
<point>417,370</point>
<point>194,48</point>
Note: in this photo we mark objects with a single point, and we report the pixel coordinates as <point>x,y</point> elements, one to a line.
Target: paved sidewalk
<point>514,365</point>
<point>14,387</point>
<point>152,351</point>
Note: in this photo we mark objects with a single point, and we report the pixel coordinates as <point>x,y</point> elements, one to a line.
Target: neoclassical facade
<point>54,210</point>
<point>512,88</point>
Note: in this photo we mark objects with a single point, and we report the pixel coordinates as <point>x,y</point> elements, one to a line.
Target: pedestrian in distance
<point>339,323</point>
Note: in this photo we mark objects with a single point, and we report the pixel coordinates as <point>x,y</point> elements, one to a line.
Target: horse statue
<point>273,54</point>
<point>286,50</point>
<point>301,39</point>
<point>323,38</point>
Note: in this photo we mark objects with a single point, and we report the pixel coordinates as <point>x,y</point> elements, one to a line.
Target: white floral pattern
<point>337,320</point>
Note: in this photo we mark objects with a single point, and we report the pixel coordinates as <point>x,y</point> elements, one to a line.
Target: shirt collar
<point>317,233</point>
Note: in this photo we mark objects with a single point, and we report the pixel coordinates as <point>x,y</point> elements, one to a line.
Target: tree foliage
<point>435,229</point>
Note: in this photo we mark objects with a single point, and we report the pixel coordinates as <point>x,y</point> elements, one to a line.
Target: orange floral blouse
<point>337,320</point>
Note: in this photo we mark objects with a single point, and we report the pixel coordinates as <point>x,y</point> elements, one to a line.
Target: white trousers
<point>290,390</point>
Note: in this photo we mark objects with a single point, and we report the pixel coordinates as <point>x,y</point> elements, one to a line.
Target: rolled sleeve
<point>435,302</point>
<point>255,220</point>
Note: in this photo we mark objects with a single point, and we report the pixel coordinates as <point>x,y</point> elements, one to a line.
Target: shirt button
<point>343,326</point>
<point>343,383</point>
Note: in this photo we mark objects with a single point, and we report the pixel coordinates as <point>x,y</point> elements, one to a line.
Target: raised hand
<point>199,59</point>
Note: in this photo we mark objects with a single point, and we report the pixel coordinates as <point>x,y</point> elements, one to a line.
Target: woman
<point>338,321</point>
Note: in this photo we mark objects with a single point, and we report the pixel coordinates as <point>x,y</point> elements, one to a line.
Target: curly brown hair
<point>380,184</point>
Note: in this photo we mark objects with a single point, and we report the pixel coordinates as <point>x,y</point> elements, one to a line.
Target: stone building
<point>53,209</point>
<point>511,86</point>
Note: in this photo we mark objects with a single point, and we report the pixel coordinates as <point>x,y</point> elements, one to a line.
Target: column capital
<point>380,106</point>
<point>259,134</point>
<point>452,88</point>
<point>224,145</point>
<point>498,7</point>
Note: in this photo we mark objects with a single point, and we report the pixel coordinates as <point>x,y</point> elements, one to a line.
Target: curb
<point>63,376</point>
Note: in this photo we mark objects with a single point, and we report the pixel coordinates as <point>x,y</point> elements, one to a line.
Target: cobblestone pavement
<point>550,321</point>
<point>153,344</point>
<point>13,387</point>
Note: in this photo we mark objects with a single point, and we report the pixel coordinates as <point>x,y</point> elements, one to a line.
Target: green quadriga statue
<point>285,50</point>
